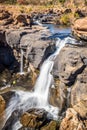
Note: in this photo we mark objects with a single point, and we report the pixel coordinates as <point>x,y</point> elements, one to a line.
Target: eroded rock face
<point>33,118</point>
<point>4,14</point>
<point>72,121</point>
<point>35,43</point>
<point>37,119</point>
<point>79,90</point>
<point>58,95</point>
<point>51,126</point>
<point>70,70</point>
<point>80,28</point>
<point>81,108</point>
<point>70,63</point>
<point>2,104</point>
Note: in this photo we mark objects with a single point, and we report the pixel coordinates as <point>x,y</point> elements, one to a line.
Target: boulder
<point>81,108</point>
<point>34,118</point>
<point>72,121</point>
<point>8,21</point>
<point>80,28</point>
<point>4,14</point>
<point>70,63</point>
<point>79,90</point>
<point>58,95</point>
<point>35,43</point>
<point>51,126</point>
<point>38,48</point>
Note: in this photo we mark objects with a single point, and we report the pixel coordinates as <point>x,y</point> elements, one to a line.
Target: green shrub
<point>76,15</point>
<point>65,19</point>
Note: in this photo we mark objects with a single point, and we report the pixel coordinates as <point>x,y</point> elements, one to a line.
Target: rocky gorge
<point>68,91</point>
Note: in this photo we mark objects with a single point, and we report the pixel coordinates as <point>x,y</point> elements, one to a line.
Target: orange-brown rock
<point>81,108</point>
<point>34,118</point>
<point>80,28</point>
<point>72,121</point>
<point>2,104</point>
<point>51,126</point>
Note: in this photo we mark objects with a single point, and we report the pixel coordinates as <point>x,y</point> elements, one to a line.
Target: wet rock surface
<point>33,118</point>
<point>58,95</point>
<point>37,119</point>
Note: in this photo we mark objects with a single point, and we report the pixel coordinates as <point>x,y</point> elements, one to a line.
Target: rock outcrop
<point>80,28</point>
<point>70,63</point>
<point>73,121</point>
<point>37,119</point>
<point>33,118</point>
<point>2,104</point>
<point>70,70</point>
<point>35,43</point>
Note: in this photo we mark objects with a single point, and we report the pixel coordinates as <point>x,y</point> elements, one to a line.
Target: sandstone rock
<point>34,118</point>
<point>81,108</point>
<point>35,43</point>
<point>69,64</point>
<point>80,28</point>
<point>13,37</point>
<point>79,90</point>
<point>4,14</point>
<point>8,21</point>
<point>2,105</point>
<point>37,49</point>
<point>58,95</point>
<point>72,121</point>
<point>51,126</point>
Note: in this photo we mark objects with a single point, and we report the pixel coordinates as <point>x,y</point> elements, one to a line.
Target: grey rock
<point>68,64</point>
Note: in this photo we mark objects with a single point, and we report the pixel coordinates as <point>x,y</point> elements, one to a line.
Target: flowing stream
<point>39,98</point>
<point>21,63</point>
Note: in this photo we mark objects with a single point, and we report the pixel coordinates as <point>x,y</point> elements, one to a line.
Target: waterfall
<point>39,98</point>
<point>21,63</point>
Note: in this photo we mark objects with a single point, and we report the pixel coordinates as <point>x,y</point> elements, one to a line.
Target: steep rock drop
<point>39,98</point>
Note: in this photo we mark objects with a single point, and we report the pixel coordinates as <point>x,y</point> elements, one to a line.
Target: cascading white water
<point>21,62</point>
<point>39,97</point>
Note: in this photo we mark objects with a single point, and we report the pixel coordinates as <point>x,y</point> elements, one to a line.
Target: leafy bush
<point>65,19</point>
<point>76,15</point>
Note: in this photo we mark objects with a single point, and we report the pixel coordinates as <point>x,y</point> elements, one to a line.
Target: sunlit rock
<point>2,104</point>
